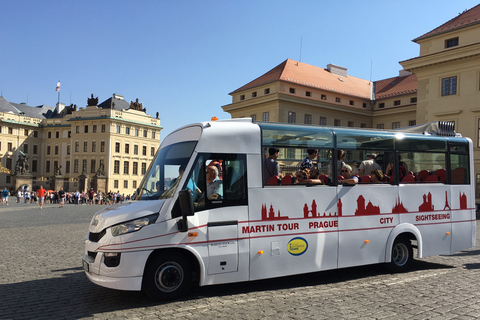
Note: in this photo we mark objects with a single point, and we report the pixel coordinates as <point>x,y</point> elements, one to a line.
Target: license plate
<point>85,265</point>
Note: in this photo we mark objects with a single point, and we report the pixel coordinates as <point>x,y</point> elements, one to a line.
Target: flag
<point>58,86</point>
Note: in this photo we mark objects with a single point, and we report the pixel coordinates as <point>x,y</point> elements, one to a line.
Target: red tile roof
<point>396,86</point>
<point>312,76</point>
<point>465,19</point>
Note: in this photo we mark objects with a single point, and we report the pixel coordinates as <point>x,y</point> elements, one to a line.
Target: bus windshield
<point>166,172</point>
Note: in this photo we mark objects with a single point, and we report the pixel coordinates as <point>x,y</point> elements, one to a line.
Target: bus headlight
<point>133,225</point>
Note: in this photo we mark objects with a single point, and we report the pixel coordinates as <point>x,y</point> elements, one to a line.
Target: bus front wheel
<point>167,277</point>
<point>402,255</point>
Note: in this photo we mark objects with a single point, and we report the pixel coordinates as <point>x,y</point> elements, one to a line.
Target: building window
<point>48,149</point>
<point>57,134</point>
<point>135,168</point>
<point>265,117</point>
<point>102,146</point>
<point>395,125</point>
<point>144,168</point>
<point>449,86</point>
<point>381,105</point>
<point>413,100</point>
<point>115,184</point>
<point>254,94</point>
<point>153,134</point>
<point>25,148</point>
<point>323,121</point>
<point>152,151</point>
<point>396,102</point>
<point>145,133</point>
<point>134,184</point>
<point>323,97</point>
<point>144,150</point>
<point>68,149</point>
<point>266,91</point>
<point>94,128</point>
<point>127,148</point>
<point>9,146</point>
<point>364,105</point>
<point>126,166</point>
<point>363,125</point>
<point>308,94</point>
<point>291,117</point>
<point>67,167</point>
<point>118,128</point>
<point>308,119</point>
<point>56,150</point>
<point>9,164</point>
<point>412,123</point>
<point>47,166</point>
<point>254,117</point>
<point>103,128</point>
<point>116,166</point>
<point>337,122</point>
<point>69,134</point>
<point>117,147</point>
<point>338,100</point>
<point>75,166</point>
<point>35,165</point>
<point>478,129</point>
<point>135,149</point>
<point>125,184</point>
<point>86,129</point>
<point>25,132</point>
<point>451,42</point>
<point>85,146</point>
<point>35,134</point>
<point>380,126</point>
<point>351,124</point>
<point>93,164</point>
<point>242,97</point>
<point>94,146</point>
<point>77,129</point>
<point>352,103</point>
<point>127,130</point>
<point>84,166</point>
<point>35,149</point>
<point>291,90</point>
<point>49,134</point>
<point>136,132</point>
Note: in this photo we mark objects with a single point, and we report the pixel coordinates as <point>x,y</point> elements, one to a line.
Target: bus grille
<point>95,237</point>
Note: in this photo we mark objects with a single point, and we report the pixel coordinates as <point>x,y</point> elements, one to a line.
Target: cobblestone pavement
<point>41,277</point>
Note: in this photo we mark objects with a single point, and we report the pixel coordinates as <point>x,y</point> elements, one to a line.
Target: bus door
<point>219,189</point>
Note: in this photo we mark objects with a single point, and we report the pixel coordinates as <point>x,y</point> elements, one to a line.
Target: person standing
<point>41,196</point>
<point>270,165</point>
<point>61,197</point>
<point>368,165</point>
<point>5,195</point>
<point>307,163</point>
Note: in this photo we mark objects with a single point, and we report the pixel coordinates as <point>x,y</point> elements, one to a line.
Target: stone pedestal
<point>58,182</point>
<point>22,180</point>
<point>99,183</point>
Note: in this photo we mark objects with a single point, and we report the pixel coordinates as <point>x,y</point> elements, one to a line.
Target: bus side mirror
<point>186,208</point>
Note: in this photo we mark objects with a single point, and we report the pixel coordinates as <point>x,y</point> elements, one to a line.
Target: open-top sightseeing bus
<point>175,232</point>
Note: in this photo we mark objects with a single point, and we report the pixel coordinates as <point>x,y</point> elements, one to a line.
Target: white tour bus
<point>204,212</point>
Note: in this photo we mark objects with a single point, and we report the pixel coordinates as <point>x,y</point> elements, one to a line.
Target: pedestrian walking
<point>41,196</point>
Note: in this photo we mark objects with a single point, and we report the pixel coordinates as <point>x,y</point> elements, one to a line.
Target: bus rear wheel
<point>402,255</point>
<point>167,277</point>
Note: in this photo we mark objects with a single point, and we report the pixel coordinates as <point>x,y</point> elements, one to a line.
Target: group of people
<point>310,174</point>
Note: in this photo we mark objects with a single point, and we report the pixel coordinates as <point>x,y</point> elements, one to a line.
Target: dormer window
<point>451,42</point>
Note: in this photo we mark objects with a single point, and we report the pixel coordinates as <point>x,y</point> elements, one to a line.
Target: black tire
<point>402,255</point>
<point>167,277</point>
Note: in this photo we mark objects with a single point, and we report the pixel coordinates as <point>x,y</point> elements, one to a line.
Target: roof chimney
<point>334,69</point>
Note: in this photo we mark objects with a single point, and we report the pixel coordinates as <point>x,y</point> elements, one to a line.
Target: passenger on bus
<point>307,163</point>
<point>347,175</point>
<point>368,165</point>
<point>377,176</point>
<point>314,173</point>
<point>302,177</point>
<point>340,163</point>
<point>214,184</point>
<point>402,168</point>
<point>270,165</point>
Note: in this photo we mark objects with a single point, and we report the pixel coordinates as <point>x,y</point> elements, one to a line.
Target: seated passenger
<point>314,173</point>
<point>347,175</point>
<point>214,184</point>
<point>302,177</point>
<point>377,176</point>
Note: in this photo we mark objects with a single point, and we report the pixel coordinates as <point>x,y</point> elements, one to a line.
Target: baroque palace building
<point>115,139</point>
<point>442,83</point>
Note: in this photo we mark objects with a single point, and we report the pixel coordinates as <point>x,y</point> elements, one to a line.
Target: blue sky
<point>181,58</point>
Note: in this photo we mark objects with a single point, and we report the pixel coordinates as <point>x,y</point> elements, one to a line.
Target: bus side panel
<point>292,230</point>
<point>427,206</point>
<point>463,217</point>
<point>365,223</point>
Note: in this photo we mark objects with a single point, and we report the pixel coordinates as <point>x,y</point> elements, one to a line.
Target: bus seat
<point>274,181</point>
<point>441,174</point>
<point>392,179</point>
<point>409,179</point>
<point>324,178</point>
<point>288,179</point>
<point>366,179</point>
<point>340,177</point>
<point>458,175</point>
<point>423,174</point>
<point>432,178</point>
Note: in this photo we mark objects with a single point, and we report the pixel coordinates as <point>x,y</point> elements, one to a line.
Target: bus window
<point>218,180</point>
<point>459,161</point>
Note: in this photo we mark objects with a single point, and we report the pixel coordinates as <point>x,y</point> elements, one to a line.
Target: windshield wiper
<point>150,192</point>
